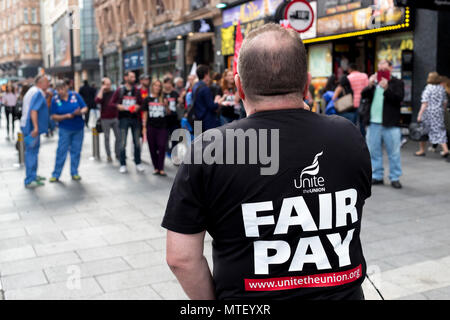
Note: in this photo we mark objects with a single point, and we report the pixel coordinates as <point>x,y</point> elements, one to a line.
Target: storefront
<point>133,55</point>
<point>362,32</point>
<point>111,64</point>
<point>164,57</point>
<point>166,49</point>
<point>251,15</point>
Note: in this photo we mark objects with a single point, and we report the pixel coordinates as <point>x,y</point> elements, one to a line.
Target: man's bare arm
<point>186,260</point>
<point>35,122</point>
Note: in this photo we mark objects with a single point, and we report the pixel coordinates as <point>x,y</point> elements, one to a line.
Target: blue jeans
<point>69,141</point>
<point>351,116</point>
<point>392,139</point>
<point>31,162</point>
<point>134,125</point>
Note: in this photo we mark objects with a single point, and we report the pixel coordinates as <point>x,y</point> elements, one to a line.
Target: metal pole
<point>95,145</point>
<point>21,149</point>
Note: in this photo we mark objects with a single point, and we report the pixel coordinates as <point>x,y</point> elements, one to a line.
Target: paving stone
<point>70,245</point>
<point>86,270</point>
<point>106,252</point>
<point>17,254</point>
<point>38,263</point>
<point>57,291</point>
<point>135,278</point>
<point>142,293</point>
<point>24,280</point>
<point>170,290</point>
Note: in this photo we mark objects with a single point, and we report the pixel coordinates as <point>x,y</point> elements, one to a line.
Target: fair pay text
<point>295,213</point>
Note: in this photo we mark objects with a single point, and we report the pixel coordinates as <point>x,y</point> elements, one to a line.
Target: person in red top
<point>358,81</point>
<point>109,117</point>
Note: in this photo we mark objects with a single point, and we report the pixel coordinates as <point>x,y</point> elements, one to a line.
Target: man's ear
<point>306,89</point>
<point>237,81</point>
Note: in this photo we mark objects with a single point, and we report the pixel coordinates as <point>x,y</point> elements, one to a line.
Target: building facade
<point>155,36</point>
<point>20,38</point>
<point>69,40</point>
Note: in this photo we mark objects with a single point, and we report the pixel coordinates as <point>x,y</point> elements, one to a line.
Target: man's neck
<point>274,105</point>
<point>128,86</point>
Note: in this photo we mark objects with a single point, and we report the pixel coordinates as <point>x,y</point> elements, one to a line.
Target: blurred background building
<point>20,39</point>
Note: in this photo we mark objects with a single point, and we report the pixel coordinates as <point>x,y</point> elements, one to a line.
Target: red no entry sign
<point>300,15</point>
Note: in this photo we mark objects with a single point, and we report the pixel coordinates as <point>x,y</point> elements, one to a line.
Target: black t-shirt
<point>128,98</point>
<point>156,116</point>
<point>291,235</point>
<point>227,110</point>
<point>172,118</point>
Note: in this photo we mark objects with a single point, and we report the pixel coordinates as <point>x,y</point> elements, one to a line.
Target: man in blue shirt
<point>205,105</point>
<point>67,109</point>
<point>34,122</point>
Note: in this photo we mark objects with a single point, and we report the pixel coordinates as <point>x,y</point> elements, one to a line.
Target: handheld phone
<point>386,74</point>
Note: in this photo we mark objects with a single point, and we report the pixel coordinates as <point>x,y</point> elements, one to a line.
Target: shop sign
<point>132,41</point>
<point>164,32</point>
<point>62,45</point>
<point>203,26</point>
<point>252,10</point>
<point>133,60</point>
<point>228,35</point>
<point>374,17</point>
<point>110,48</point>
<point>228,40</point>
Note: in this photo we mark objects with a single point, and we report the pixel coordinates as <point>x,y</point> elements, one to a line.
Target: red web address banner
<point>313,281</point>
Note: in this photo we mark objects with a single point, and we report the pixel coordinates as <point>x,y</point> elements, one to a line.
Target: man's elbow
<point>177,261</point>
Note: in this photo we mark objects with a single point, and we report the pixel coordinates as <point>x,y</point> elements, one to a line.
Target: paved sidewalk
<point>101,238</point>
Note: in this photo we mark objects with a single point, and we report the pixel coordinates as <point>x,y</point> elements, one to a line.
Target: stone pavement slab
<point>101,238</point>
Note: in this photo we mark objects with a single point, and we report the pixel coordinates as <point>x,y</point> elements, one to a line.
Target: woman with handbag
<point>9,100</point>
<point>343,101</point>
<point>431,114</point>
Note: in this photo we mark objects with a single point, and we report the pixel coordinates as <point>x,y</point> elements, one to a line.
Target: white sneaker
<point>140,168</point>
<point>123,169</point>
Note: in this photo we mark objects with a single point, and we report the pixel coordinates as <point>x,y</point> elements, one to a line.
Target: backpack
<point>191,107</point>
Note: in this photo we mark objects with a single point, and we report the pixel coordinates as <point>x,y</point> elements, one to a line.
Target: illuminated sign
<point>361,22</point>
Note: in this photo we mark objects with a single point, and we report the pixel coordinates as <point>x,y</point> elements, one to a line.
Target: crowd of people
<point>152,109</point>
<point>374,105</point>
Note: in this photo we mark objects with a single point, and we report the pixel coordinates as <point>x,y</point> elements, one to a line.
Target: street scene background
<point>101,238</point>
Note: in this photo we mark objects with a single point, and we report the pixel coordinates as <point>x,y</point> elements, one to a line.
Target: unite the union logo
<point>309,179</point>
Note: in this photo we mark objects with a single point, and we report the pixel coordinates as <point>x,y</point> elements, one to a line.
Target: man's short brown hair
<point>273,64</point>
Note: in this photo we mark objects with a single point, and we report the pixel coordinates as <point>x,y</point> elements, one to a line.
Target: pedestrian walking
<point>205,105</point>
<point>88,94</point>
<point>431,114</point>
<point>155,123</point>
<point>68,108</point>
<point>285,233</point>
<point>230,98</point>
<point>109,118</point>
<point>9,101</point>
<point>34,122</point>
<point>173,121</point>
<point>358,81</point>
<point>385,94</point>
<point>128,101</point>
<point>345,88</point>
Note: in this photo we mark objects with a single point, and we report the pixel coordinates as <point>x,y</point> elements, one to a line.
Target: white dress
<point>433,117</point>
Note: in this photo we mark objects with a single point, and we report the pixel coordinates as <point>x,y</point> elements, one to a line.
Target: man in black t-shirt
<point>128,101</point>
<point>283,205</point>
<point>173,99</point>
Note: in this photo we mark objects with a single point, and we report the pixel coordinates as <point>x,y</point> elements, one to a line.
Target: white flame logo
<point>313,169</point>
